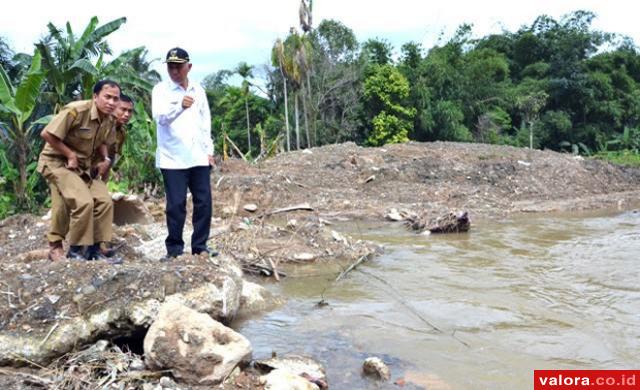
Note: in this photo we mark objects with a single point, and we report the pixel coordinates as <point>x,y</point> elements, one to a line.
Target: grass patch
<point>623,157</point>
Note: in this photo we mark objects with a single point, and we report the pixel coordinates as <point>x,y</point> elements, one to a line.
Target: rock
<point>305,256</point>
<point>167,383</point>
<point>255,298</point>
<point>137,365</point>
<point>376,368</point>
<point>250,207</point>
<point>44,311</point>
<point>100,345</point>
<point>295,364</point>
<point>451,222</point>
<point>144,313</point>
<point>87,290</point>
<point>212,353</point>
<point>129,210</point>
<point>394,215</point>
<point>368,179</point>
<point>281,379</point>
<point>220,298</point>
<point>338,237</point>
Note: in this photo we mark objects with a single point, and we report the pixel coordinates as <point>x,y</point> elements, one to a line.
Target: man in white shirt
<point>184,154</point>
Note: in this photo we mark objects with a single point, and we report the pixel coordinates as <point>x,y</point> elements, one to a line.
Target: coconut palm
<point>300,49</point>
<point>244,70</point>
<point>280,60</point>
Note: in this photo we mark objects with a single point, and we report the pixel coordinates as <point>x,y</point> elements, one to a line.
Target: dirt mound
<point>486,180</point>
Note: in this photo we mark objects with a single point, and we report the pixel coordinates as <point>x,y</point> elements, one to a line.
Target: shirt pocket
<point>81,140</point>
<point>83,133</point>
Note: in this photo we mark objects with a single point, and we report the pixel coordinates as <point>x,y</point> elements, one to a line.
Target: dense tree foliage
<point>555,84</point>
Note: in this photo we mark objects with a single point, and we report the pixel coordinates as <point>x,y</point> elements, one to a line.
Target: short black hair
<point>125,98</point>
<point>100,84</point>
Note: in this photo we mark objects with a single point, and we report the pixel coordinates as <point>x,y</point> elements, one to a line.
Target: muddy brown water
<point>532,292</point>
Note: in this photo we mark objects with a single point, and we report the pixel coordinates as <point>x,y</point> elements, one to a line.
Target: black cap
<point>177,56</point>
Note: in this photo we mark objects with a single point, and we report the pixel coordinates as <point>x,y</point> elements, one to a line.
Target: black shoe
<point>76,252</point>
<point>210,252</point>
<point>167,258</point>
<point>95,253</point>
<point>108,252</point>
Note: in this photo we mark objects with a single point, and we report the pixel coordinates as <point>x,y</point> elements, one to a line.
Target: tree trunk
<point>312,111</point>
<point>246,106</point>
<point>286,112</point>
<point>297,122</point>
<point>306,121</point>
<point>530,135</point>
<point>21,185</point>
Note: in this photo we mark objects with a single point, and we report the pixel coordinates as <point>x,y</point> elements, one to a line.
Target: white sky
<point>219,35</point>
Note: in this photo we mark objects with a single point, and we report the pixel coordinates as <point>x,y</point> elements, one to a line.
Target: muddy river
<point>471,311</point>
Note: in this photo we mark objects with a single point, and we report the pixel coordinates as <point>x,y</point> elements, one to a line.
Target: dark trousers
<point>176,182</point>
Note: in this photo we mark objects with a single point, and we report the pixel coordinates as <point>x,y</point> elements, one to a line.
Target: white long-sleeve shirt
<point>184,135</point>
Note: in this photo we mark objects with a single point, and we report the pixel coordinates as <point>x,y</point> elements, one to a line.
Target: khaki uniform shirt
<point>80,128</point>
<point>120,136</point>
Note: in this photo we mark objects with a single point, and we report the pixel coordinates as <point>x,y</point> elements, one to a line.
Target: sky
<point>218,35</point>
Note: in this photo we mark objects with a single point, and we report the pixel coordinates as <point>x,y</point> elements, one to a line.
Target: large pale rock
<point>255,298</point>
<point>298,365</point>
<point>17,349</point>
<point>282,379</point>
<point>198,349</point>
<point>220,301</point>
<point>220,298</point>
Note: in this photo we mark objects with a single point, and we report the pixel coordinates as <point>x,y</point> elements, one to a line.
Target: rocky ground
<point>279,211</point>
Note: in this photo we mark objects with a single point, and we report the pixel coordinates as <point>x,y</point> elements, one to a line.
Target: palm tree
<point>279,59</point>
<point>299,48</point>
<point>66,58</point>
<point>245,71</point>
<point>18,105</point>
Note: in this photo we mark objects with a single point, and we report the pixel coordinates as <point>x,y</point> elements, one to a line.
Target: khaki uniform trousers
<point>81,208</point>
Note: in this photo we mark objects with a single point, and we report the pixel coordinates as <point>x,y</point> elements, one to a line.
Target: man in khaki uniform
<point>122,115</point>
<point>80,131</point>
<point>59,214</point>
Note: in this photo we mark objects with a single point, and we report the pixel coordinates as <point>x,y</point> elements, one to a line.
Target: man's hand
<point>187,102</point>
<point>72,161</point>
<point>212,161</point>
<point>103,169</point>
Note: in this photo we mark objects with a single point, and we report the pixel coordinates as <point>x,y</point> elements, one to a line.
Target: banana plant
<point>129,69</point>
<point>19,130</point>
<point>66,58</point>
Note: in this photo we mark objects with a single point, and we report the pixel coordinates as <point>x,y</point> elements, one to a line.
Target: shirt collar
<point>94,112</point>
<point>175,86</point>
